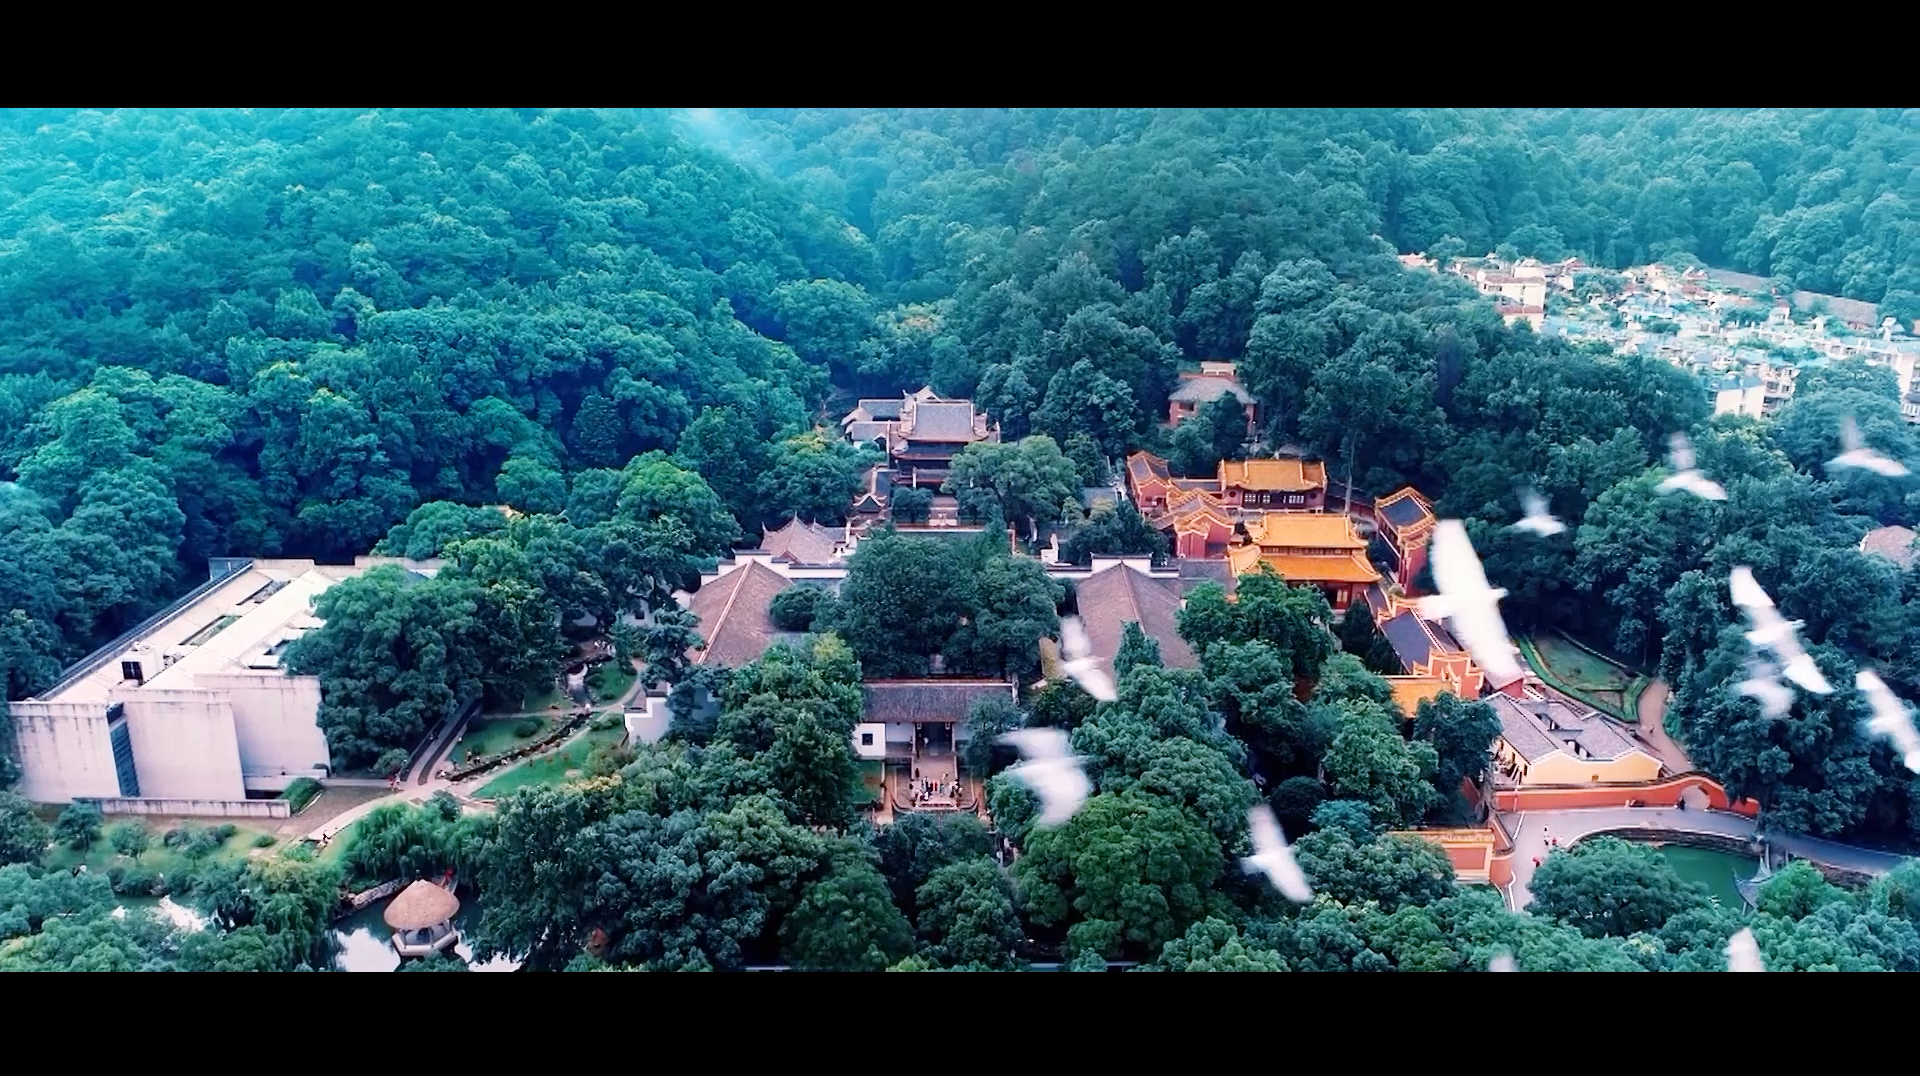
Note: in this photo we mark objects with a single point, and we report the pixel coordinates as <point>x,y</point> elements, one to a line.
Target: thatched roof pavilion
<point>421,905</point>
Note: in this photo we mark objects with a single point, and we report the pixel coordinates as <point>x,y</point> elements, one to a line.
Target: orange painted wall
<point>1658,794</point>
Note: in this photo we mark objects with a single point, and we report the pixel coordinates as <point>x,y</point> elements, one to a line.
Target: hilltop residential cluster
<point>1747,343</point>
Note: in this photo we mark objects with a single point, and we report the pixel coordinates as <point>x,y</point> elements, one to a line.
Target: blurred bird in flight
<point>1273,858</point>
<point>1470,606</point>
<point>1537,519</point>
<point>1051,770</point>
<point>1685,475</point>
<point>1855,453</point>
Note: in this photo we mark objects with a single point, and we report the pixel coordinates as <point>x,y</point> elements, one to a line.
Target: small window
<point>130,670</point>
<point>866,739</point>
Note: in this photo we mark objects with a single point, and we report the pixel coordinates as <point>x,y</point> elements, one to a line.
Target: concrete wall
<point>194,808</point>
<point>900,732</point>
<point>184,745</point>
<point>1560,769</point>
<point>651,724</point>
<point>65,751</point>
<point>878,732</point>
<point>275,722</point>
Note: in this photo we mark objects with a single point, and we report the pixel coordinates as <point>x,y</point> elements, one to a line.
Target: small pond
<point>1715,870</point>
<point>361,941</point>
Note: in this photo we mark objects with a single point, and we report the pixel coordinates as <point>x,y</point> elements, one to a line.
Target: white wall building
<point>193,704</point>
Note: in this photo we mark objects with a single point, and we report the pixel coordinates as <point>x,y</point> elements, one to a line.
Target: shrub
<point>794,608</point>
<point>526,728</point>
<point>79,825</point>
<point>911,505</point>
<point>264,840</point>
<point>226,830</point>
<point>129,838</point>
<point>133,880</point>
<point>607,722</point>
<point>391,761</point>
<point>301,792</point>
<point>178,836</point>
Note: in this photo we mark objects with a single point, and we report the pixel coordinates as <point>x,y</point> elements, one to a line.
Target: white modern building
<point>193,704</point>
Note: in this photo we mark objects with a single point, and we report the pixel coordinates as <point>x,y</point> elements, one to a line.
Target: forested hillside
<point>290,332</point>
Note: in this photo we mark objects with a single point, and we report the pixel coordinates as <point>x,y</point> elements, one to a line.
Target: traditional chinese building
<point>1432,661</point>
<point>1405,520</point>
<point>916,727</point>
<point>1198,389</point>
<point>921,434</point>
<point>1323,550</point>
<point>1196,524</point>
<point>1546,742</point>
<point>1292,485</point>
<point>805,544</point>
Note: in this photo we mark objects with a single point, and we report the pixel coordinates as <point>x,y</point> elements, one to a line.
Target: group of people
<point>927,789</point>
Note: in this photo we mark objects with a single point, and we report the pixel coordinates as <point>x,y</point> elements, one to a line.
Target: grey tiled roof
<point>1197,570</point>
<point>1200,390</point>
<point>1535,728</point>
<point>945,422</point>
<point>1404,512</point>
<point>885,410</point>
<point>1408,639</point>
<point>734,617</point>
<point>931,699</point>
<point>1110,598</point>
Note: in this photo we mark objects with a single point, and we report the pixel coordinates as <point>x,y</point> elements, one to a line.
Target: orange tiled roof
<point>1351,568</point>
<point>1305,530</point>
<point>1283,476</point>
<point>1410,691</point>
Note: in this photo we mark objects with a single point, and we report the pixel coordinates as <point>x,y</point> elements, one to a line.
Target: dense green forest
<point>316,333</point>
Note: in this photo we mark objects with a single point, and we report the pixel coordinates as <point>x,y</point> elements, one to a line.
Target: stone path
<point>1533,832</point>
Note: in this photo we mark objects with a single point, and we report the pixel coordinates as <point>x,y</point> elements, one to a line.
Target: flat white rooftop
<point>239,626</point>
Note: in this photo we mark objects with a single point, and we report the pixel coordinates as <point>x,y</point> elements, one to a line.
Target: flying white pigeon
<point>1502,961</point>
<point>1891,717</point>
<point>1077,661</point>
<point>1471,607</point>
<point>1537,519</point>
<point>1743,953</point>
<point>1273,858</point>
<point>1855,453</point>
<point>1763,684</point>
<point>1775,632</point>
<point>1051,770</point>
<point>1685,475</point>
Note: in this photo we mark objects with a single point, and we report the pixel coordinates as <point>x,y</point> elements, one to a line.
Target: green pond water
<point>1715,870</point>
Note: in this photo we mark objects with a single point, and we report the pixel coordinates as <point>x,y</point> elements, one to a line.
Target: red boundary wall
<point>1652,794</point>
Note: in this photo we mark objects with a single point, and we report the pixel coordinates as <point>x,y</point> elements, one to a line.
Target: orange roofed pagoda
<point>1324,550</point>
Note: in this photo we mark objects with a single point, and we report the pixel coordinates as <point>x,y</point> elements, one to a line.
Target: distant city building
<point>1737,394</point>
<point>193,704</point>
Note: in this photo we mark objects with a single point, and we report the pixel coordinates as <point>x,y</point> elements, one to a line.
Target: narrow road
<point>1653,727</point>
<point>1534,831</point>
<point>423,770</point>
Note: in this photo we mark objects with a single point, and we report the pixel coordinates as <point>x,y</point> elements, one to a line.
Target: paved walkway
<point>1653,728</point>
<point>1534,830</point>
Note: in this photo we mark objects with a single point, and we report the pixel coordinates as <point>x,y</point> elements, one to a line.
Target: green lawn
<point>168,861</point>
<point>873,774</point>
<point>550,769</point>
<point>490,736</point>
<point>610,681</point>
<point>550,697</point>
<point>1578,669</point>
